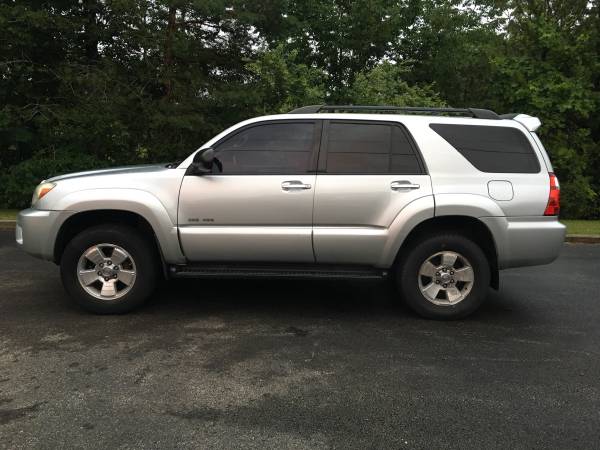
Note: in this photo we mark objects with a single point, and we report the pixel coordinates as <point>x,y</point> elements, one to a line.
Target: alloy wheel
<point>106,271</point>
<point>446,278</point>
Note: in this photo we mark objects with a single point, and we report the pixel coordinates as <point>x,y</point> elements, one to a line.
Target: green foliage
<point>18,182</point>
<point>451,44</point>
<point>590,227</point>
<point>280,82</point>
<point>545,70</point>
<point>343,38</point>
<point>8,214</point>
<point>100,83</point>
<point>386,84</point>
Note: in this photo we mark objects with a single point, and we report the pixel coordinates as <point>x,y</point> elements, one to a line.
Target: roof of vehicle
<point>470,112</point>
<point>529,122</point>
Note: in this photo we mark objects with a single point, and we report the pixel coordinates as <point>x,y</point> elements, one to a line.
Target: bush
<point>17,184</point>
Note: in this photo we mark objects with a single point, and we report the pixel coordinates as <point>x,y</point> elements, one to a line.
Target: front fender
<point>136,201</point>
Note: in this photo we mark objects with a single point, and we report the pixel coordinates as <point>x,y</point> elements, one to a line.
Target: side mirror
<point>206,156</point>
<point>203,162</point>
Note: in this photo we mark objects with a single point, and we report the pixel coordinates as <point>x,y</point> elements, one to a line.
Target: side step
<point>275,271</point>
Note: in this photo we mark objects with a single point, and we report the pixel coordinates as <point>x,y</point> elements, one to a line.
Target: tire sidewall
<point>408,274</point>
<point>128,238</point>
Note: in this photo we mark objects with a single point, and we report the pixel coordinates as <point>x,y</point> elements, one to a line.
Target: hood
<point>114,171</point>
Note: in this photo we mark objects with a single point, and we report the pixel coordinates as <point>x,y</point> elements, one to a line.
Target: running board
<point>276,271</point>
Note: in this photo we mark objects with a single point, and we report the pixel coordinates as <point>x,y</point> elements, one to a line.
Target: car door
<point>259,206</point>
<point>368,171</point>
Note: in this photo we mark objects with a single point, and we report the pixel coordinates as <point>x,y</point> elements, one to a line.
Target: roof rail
<point>310,109</point>
<point>472,112</point>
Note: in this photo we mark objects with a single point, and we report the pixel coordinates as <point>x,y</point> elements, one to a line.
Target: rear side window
<point>370,148</point>
<point>491,149</point>
<point>274,148</point>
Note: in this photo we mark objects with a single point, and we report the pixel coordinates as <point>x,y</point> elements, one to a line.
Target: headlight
<point>42,189</point>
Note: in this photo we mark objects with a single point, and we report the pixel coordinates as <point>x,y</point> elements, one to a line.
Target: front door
<point>259,206</point>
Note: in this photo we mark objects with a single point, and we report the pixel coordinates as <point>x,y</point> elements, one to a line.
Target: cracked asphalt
<point>298,364</point>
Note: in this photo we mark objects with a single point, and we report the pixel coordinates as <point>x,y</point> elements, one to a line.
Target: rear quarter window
<point>491,149</point>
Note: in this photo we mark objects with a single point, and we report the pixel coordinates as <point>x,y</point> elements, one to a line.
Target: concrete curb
<point>583,238</point>
<point>6,224</point>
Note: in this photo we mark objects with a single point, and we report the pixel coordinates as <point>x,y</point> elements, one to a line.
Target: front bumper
<point>36,231</point>
<point>526,241</point>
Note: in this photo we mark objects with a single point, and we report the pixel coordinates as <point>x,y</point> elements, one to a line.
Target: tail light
<point>553,207</point>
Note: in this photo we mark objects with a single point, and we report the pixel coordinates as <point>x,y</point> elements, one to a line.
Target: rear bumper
<point>36,231</point>
<point>526,241</point>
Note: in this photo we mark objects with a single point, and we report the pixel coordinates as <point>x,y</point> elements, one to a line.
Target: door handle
<point>294,185</point>
<point>403,185</point>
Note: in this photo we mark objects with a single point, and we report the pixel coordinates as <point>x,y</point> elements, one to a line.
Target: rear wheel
<point>444,277</point>
<point>109,269</point>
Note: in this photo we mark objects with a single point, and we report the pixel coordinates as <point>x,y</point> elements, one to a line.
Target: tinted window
<point>491,149</point>
<point>276,148</point>
<point>370,148</point>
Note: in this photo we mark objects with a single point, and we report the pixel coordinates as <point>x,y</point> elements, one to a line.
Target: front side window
<point>273,148</point>
<point>490,148</point>
<point>370,148</point>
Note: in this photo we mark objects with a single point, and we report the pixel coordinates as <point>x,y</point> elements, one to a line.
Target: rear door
<point>368,171</point>
<point>259,206</point>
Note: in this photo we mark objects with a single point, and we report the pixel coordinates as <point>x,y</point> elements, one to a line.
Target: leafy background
<point>97,83</point>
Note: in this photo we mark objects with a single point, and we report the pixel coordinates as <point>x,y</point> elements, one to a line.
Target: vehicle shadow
<point>303,298</point>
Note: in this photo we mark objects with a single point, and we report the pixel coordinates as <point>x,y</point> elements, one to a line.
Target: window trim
<point>314,150</point>
<point>534,153</point>
<point>322,162</point>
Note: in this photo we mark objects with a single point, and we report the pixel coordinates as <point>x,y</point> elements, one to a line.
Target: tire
<point>133,281</point>
<point>418,280</point>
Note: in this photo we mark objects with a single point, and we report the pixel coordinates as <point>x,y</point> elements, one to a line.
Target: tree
<point>94,83</point>
<point>343,38</point>
<point>547,69</point>
<point>386,84</point>
<point>280,82</point>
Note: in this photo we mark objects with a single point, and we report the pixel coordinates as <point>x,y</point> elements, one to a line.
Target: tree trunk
<point>168,57</point>
<point>91,33</point>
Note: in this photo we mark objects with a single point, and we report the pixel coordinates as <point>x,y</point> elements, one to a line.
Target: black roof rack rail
<point>472,112</point>
<point>310,109</point>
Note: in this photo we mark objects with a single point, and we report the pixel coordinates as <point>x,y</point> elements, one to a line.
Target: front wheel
<point>109,269</point>
<point>444,277</point>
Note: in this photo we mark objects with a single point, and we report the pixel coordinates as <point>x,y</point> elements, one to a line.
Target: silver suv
<point>438,199</point>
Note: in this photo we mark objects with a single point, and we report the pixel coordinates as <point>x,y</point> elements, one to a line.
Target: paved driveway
<point>296,364</point>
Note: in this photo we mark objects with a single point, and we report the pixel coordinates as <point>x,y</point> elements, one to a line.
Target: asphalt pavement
<point>301,364</point>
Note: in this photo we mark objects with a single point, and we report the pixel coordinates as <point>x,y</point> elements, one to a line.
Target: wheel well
<point>465,225</point>
<point>80,221</point>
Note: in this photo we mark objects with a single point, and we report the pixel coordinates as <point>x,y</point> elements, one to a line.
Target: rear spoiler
<point>529,122</point>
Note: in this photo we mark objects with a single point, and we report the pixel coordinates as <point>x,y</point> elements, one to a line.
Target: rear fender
<point>408,218</point>
<point>470,205</point>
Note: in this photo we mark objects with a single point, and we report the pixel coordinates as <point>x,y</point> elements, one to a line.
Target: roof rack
<point>472,112</point>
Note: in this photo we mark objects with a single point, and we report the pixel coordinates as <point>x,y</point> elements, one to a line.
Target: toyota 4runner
<point>440,200</point>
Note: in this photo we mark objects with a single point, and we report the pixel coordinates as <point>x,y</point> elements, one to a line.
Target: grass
<point>582,226</point>
<point>8,214</point>
<point>573,226</point>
